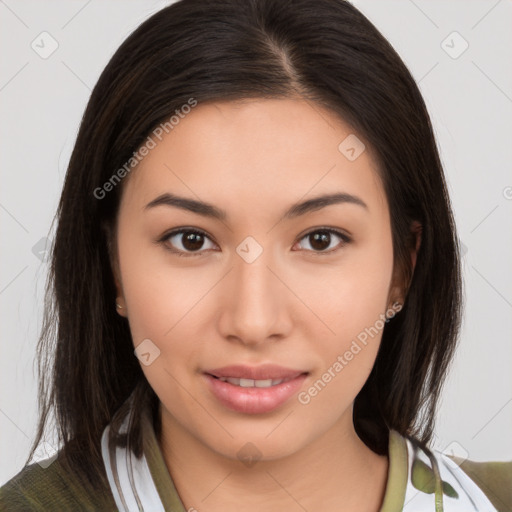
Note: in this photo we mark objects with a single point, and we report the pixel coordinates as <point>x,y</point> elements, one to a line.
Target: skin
<point>292,306</point>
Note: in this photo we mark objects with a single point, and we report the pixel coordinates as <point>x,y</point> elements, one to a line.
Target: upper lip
<point>261,372</point>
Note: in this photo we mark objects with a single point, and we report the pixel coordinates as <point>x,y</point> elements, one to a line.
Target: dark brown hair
<point>324,51</point>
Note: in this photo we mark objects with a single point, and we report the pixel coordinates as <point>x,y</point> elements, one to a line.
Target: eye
<point>187,241</point>
<point>190,242</point>
<point>320,240</point>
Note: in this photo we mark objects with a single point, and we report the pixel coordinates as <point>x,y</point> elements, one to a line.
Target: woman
<point>255,278</point>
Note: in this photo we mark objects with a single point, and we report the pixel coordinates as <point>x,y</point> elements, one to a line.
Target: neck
<point>337,471</point>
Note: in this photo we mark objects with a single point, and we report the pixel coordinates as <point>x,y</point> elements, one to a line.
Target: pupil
<point>321,240</point>
<point>193,241</point>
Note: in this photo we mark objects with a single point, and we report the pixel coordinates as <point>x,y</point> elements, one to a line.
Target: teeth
<point>263,383</point>
<point>251,383</point>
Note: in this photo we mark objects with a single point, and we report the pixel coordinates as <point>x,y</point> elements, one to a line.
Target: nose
<point>255,303</point>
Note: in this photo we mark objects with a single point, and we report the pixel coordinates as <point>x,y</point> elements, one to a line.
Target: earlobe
<point>395,294</point>
<point>120,308</point>
<point>120,302</point>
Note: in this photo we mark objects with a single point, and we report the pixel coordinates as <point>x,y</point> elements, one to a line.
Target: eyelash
<point>345,240</point>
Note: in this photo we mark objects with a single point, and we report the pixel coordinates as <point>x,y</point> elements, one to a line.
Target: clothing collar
<point>416,481</point>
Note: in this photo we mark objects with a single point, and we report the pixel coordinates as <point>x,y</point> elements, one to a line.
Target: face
<point>292,301</point>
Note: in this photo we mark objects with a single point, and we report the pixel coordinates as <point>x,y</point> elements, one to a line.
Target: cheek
<point>160,303</point>
<point>351,301</point>
<point>349,296</point>
<point>158,294</point>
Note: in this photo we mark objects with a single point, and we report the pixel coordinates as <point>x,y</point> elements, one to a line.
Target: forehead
<point>259,152</point>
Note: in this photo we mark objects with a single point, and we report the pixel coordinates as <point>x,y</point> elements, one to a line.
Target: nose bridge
<point>257,308</point>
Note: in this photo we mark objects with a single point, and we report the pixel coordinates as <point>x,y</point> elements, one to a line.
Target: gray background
<point>469,96</point>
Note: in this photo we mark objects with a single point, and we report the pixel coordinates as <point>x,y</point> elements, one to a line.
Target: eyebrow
<point>296,210</point>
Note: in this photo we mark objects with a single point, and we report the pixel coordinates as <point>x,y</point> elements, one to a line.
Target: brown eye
<point>186,242</point>
<point>324,240</point>
<point>192,241</point>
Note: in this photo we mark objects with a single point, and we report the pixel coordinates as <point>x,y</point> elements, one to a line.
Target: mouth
<point>254,390</point>
<point>252,383</point>
<point>264,372</point>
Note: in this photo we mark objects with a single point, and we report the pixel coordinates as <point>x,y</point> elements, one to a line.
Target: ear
<point>120,304</point>
<point>114,266</point>
<point>401,280</point>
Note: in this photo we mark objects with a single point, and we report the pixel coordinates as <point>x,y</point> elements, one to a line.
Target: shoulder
<point>459,483</point>
<point>46,486</point>
<point>493,478</point>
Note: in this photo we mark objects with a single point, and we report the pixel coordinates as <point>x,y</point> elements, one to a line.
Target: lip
<point>254,400</point>
<point>261,372</point>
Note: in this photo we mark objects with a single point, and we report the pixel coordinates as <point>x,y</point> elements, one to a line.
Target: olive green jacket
<point>411,484</point>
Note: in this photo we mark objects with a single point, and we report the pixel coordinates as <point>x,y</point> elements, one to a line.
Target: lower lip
<point>254,400</point>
